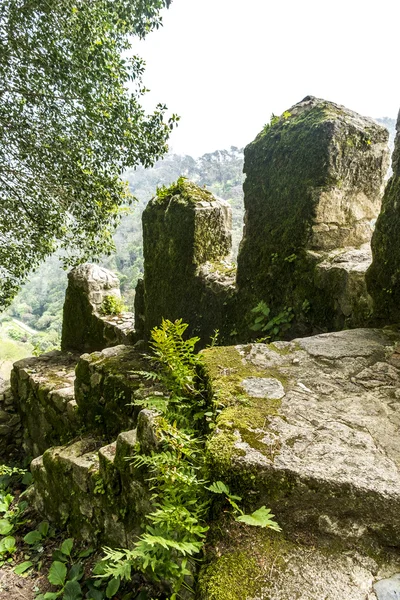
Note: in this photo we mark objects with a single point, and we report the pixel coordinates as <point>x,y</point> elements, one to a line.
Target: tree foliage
<point>70,123</point>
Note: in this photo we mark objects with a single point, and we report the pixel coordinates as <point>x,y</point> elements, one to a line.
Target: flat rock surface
<point>55,370</point>
<point>334,436</point>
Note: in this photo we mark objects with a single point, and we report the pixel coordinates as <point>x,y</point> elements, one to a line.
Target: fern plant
<point>176,528</point>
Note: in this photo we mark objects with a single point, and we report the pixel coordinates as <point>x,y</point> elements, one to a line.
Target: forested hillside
<point>39,304</point>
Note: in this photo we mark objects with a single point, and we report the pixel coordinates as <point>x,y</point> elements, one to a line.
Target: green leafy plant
<point>176,528</point>
<point>273,326</point>
<point>112,305</point>
<point>11,510</point>
<point>262,517</point>
<point>66,573</point>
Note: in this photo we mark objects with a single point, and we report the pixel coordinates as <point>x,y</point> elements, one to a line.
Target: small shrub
<point>112,305</point>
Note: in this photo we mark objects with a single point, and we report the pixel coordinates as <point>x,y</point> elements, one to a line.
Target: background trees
<point>69,126</point>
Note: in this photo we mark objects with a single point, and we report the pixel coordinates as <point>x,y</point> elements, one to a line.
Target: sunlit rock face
<point>314,184</point>
<point>308,428</point>
<point>383,277</point>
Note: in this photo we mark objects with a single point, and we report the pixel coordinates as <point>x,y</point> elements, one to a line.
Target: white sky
<point>225,65</point>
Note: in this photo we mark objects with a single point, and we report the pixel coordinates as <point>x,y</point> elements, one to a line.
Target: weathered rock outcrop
<point>309,428</point>
<point>85,327</point>
<point>314,182</point>
<point>383,277</point>
<point>186,247</point>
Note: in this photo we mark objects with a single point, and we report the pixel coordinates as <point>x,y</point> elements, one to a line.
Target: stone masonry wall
<point>85,328</point>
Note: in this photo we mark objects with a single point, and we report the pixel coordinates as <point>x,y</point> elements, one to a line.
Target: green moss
<point>242,563</point>
<point>183,191</point>
<point>224,371</point>
<point>230,578</point>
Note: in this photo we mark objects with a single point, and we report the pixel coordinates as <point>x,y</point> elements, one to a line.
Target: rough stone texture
<point>383,277</point>
<point>314,183</point>
<point>43,393</point>
<point>186,239</point>
<point>257,565</point>
<point>388,589</point>
<point>107,386</point>
<point>79,487</point>
<point>340,274</point>
<point>326,456</point>
<point>85,329</point>
<point>10,423</point>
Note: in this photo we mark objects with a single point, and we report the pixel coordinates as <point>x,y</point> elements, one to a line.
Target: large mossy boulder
<point>186,244</point>
<point>314,182</point>
<point>383,277</point>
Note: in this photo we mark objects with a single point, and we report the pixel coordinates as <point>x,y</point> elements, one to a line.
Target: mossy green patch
<point>183,191</point>
<point>240,416</point>
<point>241,562</point>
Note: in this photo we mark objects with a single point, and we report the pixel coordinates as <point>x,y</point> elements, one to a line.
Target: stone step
<point>95,490</point>
<point>108,385</point>
<point>311,428</point>
<point>91,489</point>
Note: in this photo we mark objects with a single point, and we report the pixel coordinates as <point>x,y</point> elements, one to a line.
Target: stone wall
<point>85,327</point>
<point>43,392</point>
<point>10,423</point>
<point>313,188</point>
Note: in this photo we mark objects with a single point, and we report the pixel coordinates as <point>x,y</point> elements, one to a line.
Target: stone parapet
<point>186,239</point>
<point>43,392</point>
<point>314,183</point>
<point>85,326</point>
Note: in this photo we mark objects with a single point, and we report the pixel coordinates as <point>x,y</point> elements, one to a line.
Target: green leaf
<point>57,573</point>
<point>113,587</point>
<point>58,555</point>
<point>27,478</point>
<point>72,591</point>
<point>22,567</point>
<point>51,595</point>
<point>260,518</point>
<point>7,544</point>
<point>43,528</point>
<point>76,572</point>
<point>33,537</point>
<point>86,553</point>
<point>66,546</point>
<point>6,501</point>
<point>218,487</point>
<point>5,526</point>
